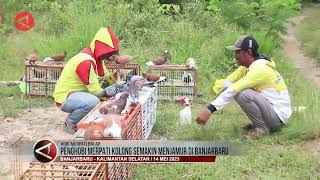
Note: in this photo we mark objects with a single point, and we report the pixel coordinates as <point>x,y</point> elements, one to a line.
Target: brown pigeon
<point>60,56</point>
<point>123,59</point>
<point>33,56</point>
<point>94,131</point>
<point>159,60</point>
<point>151,77</point>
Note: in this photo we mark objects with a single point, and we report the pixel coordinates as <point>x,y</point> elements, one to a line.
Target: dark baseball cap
<point>243,43</point>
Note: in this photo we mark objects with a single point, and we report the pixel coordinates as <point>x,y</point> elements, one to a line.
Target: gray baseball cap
<point>244,42</point>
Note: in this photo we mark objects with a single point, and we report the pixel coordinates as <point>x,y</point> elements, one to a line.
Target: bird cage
<point>137,125</point>
<point>131,124</point>
<point>124,69</point>
<point>16,164</point>
<point>180,81</point>
<point>59,170</point>
<point>41,78</point>
<point>149,109</point>
<point>120,170</point>
<point>131,129</point>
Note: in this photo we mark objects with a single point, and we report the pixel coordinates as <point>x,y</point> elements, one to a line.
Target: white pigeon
<point>191,63</point>
<point>113,131</point>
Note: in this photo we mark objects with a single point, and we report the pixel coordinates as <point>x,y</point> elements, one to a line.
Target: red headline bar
<point>137,159</point>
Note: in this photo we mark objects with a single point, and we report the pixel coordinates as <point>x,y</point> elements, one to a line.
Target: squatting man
<point>257,87</point>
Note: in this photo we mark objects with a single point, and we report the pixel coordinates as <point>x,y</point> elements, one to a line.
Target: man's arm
<point>221,84</point>
<point>237,74</point>
<point>255,76</point>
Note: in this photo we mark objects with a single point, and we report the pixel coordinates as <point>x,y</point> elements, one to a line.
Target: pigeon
<point>159,60</point>
<point>123,59</point>
<point>116,106</point>
<point>60,56</point>
<point>56,58</point>
<point>113,131</point>
<point>38,73</point>
<point>110,91</point>
<point>94,131</point>
<point>191,63</point>
<point>136,83</point>
<point>187,77</point>
<point>151,77</point>
<point>32,57</point>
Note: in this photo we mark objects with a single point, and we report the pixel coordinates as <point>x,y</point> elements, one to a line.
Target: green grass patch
<point>12,102</point>
<point>308,31</point>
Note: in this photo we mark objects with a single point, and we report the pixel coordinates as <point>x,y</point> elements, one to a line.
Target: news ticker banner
<point>130,151</point>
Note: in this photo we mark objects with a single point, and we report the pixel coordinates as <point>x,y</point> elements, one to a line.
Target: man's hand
<point>203,116</point>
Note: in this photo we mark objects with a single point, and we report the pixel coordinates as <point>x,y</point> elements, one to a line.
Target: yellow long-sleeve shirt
<point>261,76</point>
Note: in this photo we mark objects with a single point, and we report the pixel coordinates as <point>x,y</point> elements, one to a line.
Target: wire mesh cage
<point>41,78</point>
<point>131,123</point>
<point>65,171</point>
<point>180,81</point>
<point>124,69</point>
<point>16,164</point>
<point>120,170</point>
<point>131,129</point>
<point>137,125</point>
<point>149,110</point>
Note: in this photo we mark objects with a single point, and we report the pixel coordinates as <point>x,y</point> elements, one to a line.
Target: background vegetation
<point>200,29</point>
<point>311,24</point>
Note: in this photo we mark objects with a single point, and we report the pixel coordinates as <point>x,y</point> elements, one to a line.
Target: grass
<point>199,35</point>
<point>12,102</point>
<point>311,25</point>
<point>272,157</point>
<point>263,162</point>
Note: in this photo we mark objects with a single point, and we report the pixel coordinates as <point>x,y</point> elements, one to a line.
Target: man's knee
<point>92,102</point>
<point>245,95</point>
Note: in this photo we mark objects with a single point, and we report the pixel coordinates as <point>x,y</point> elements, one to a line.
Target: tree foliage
<point>269,14</point>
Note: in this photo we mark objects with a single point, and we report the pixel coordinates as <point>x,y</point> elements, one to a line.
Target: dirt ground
<point>291,48</point>
<point>34,124</point>
<point>307,65</point>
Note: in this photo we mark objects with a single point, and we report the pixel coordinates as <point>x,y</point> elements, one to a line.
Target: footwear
<point>69,127</point>
<point>256,133</point>
<point>249,127</point>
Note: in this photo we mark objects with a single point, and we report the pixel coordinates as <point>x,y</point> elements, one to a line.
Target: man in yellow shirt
<point>256,86</point>
<point>78,90</point>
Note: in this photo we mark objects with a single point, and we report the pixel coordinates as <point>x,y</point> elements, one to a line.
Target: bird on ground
<point>32,57</point>
<point>159,60</point>
<point>191,63</point>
